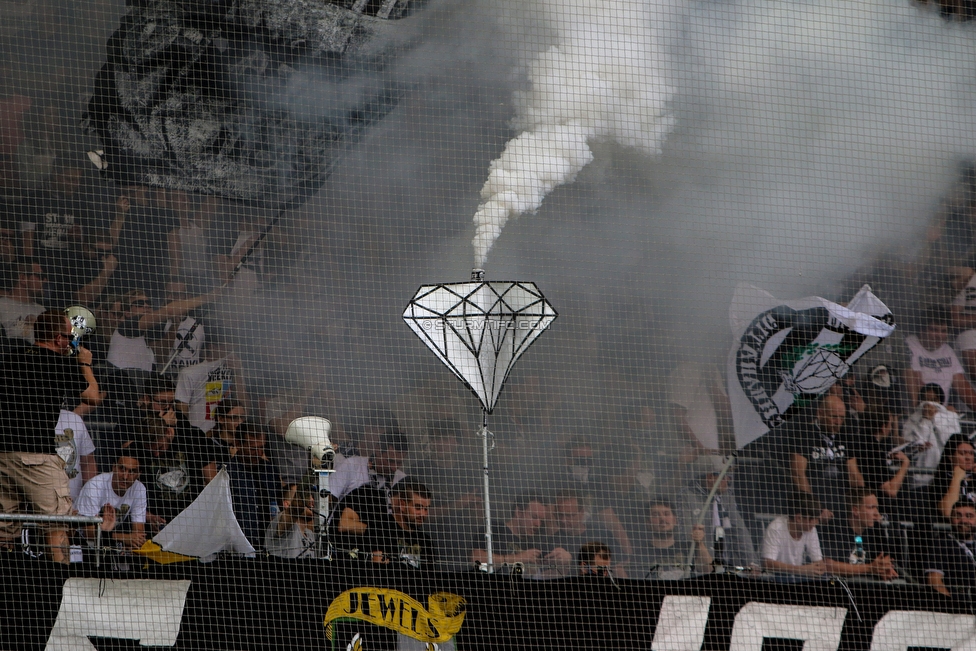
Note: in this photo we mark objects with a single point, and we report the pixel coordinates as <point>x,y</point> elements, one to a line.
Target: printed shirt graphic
<point>54,228</point>
<point>825,454</point>
<point>190,337</point>
<point>203,386</point>
<point>936,366</point>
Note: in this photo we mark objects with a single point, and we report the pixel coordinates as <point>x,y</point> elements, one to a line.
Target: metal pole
<point>485,434</point>
<point>322,472</point>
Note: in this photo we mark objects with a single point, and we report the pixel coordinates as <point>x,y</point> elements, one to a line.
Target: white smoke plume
<point>807,138</point>
<point>604,78</point>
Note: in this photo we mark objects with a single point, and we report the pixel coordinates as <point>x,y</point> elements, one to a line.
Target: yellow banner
<point>394,610</point>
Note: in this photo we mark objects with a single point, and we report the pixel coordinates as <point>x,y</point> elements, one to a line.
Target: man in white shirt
<point>120,498</point>
<point>934,362</point>
<point>791,545</point>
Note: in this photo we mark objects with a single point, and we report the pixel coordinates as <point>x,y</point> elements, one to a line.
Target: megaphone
<point>82,323</point>
<point>312,433</point>
<point>82,320</point>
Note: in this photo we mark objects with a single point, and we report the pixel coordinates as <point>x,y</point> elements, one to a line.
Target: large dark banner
<point>283,605</point>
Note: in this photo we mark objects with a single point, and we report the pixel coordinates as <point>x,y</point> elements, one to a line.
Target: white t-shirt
<point>202,387</point>
<point>936,366</point>
<point>966,299</point>
<point>130,352</point>
<point>17,318</point>
<point>98,492</point>
<point>779,545</point>
<point>82,443</point>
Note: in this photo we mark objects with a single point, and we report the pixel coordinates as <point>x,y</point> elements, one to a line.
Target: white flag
<point>791,352</point>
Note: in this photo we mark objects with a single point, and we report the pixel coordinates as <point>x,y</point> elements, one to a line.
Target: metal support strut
<point>484,433</point>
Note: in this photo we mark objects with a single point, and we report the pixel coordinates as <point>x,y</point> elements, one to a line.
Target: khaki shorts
<point>38,480</point>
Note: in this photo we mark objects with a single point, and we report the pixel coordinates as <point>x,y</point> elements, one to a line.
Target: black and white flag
<point>791,352</point>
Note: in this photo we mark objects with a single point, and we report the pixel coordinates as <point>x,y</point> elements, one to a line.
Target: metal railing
<point>31,518</point>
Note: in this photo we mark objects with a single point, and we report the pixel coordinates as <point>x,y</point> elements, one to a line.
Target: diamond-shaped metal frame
<point>480,329</point>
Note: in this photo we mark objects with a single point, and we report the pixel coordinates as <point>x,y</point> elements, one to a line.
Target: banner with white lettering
<point>788,353</point>
<point>264,605</point>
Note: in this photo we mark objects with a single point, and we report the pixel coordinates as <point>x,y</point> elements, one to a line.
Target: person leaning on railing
<point>33,383</point>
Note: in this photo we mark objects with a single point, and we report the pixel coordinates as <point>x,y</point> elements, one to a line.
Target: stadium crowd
<point>874,480</point>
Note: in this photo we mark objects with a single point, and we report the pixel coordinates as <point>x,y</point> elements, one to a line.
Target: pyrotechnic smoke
<point>807,138</point>
<point>812,136</point>
<point>605,77</point>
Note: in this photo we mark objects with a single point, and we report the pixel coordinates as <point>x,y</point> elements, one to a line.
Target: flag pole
<point>708,502</point>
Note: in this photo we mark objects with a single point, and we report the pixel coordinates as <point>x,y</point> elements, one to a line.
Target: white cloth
<point>937,431</point>
<point>294,543</point>
<point>688,388</point>
<point>966,341</point>
<point>17,318</point>
<point>353,472</point>
<point>779,545</point>
<point>98,492</point>
<point>936,366</point>
<point>130,352</point>
<point>206,527</point>
<point>83,445</point>
<point>203,386</point>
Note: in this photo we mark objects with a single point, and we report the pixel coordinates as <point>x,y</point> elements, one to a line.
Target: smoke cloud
<point>806,138</point>
<point>605,77</point>
<point>810,136</point>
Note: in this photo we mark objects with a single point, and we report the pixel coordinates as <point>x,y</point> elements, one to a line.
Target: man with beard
<point>165,461</point>
<point>403,538</point>
<point>951,569</point>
